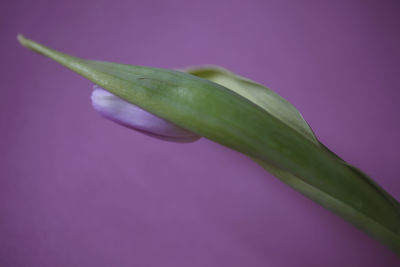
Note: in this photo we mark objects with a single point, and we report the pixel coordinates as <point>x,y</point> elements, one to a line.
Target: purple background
<point>78,190</point>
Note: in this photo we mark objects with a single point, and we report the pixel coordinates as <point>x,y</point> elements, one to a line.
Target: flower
<point>122,112</point>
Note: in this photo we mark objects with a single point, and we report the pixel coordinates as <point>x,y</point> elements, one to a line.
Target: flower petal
<point>133,117</point>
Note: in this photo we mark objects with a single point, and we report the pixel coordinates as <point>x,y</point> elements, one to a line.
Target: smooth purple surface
<point>79,190</point>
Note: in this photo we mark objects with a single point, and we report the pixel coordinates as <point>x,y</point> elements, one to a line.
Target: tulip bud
<point>133,117</point>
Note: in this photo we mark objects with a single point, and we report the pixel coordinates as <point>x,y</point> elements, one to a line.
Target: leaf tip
<point>21,39</point>
<point>27,43</point>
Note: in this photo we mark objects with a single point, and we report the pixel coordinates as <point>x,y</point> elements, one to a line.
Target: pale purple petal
<point>131,116</point>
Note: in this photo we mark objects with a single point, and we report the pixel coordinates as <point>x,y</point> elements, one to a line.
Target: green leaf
<point>260,95</point>
<point>287,113</point>
<point>255,121</point>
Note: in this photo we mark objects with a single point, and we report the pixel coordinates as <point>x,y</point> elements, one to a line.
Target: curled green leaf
<point>260,95</point>
<point>287,113</point>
